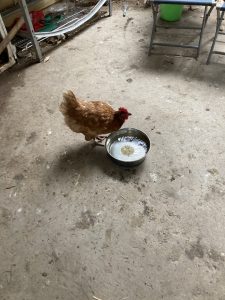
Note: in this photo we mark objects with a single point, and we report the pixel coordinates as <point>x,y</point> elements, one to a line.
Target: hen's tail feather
<point>69,103</point>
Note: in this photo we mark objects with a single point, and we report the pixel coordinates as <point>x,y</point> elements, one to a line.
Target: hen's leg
<point>88,138</point>
<point>100,138</point>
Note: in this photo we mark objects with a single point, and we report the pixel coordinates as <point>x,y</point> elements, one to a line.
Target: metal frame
<point>155,9</point>
<point>69,26</point>
<point>220,18</point>
<point>30,29</point>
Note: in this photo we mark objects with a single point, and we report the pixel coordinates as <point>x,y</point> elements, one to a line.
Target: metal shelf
<point>69,24</point>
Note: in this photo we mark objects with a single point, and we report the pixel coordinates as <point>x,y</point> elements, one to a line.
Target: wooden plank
<point>6,3</point>
<point>38,5</point>
<point>11,34</point>
<point>10,48</point>
<point>6,66</point>
<point>10,3</point>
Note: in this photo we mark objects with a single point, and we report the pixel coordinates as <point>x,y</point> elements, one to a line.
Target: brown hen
<point>92,118</point>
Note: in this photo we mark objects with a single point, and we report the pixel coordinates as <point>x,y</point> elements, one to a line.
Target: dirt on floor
<point>75,226</point>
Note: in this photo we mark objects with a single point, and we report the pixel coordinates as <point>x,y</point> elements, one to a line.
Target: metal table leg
<point>218,24</point>
<point>209,13</point>
<point>30,29</point>
<point>202,29</point>
<point>155,14</point>
<point>110,7</point>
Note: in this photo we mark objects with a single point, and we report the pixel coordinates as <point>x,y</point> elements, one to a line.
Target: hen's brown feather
<point>92,118</point>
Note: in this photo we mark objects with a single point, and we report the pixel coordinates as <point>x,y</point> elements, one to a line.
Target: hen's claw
<point>100,138</point>
<point>98,144</point>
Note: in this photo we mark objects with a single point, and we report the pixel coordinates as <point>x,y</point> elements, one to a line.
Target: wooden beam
<point>11,34</point>
<point>36,5</point>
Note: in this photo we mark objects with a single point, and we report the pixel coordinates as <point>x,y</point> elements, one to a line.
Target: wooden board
<point>38,5</point>
<point>6,3</point>
<point>10,49</point>
<point>7,39</point>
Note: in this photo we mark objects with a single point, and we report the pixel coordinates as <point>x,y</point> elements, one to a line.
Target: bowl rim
<point>127,128</point>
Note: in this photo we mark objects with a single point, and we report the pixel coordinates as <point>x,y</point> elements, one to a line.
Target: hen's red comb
<point>123,109</point>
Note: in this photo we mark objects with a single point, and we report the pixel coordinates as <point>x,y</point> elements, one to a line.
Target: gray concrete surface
<point>72,224</point>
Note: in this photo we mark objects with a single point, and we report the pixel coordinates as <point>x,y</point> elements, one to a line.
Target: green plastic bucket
<point>171,12</point>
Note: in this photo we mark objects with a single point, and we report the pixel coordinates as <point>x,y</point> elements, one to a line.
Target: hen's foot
<point>100,138</point>
<point>98,144</point>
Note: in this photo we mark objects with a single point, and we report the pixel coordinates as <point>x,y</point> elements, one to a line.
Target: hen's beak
<point>129,114</point>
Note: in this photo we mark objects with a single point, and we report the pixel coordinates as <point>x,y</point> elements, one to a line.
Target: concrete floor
<point>72,224</point>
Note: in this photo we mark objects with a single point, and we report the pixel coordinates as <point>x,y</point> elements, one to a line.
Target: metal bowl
<point>130,133</point>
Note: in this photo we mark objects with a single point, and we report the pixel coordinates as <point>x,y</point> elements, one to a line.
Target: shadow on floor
<point>9,80</point>
<point>86,159</point>
<point>188,68</point>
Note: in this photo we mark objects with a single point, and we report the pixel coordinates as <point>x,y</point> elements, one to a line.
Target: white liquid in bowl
<point>128,148</point>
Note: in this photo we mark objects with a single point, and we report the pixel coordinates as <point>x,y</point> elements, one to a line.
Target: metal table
<point>208,4</point>
<point>220,7</point>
